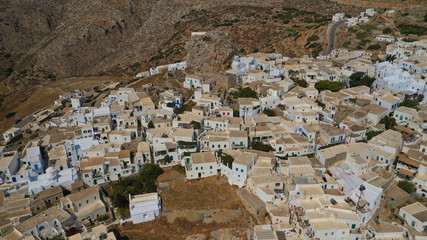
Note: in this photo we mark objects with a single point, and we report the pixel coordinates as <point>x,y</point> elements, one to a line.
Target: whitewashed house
<point>404,114</point>
<point>201,165</point>
<point>249,107</point>
<point>415,216</point>
<point>11,134</point>
<point>144,207</point>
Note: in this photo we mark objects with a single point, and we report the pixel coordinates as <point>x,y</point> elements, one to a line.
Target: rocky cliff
<point>209,52</point>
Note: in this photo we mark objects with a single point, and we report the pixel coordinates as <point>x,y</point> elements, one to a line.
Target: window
<point>201,168</point>
<point>241,170</point>
<point>197,168</point>
<point>353,226</point>
<point>237,169</point>
<point>210,167</point>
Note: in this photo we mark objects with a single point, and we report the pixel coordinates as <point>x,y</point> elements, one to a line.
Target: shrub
<point>179,168</point>
<point>102,218</point>
<point>368,27</point>
<point>410,104</point>
<point>408,186</point>
<point>313,38</point>
<point>364,42</point>
<point>261,147</point>
<point>387,30</point>
<point>245,93</point>
<point>358,79</point>
<point>236,113</point>
<point>269,112</point>
<point>374,47</point>
<point>150,125</point>
<point>411,29</point>
<point>329,85</point>
<point>320,104</point>
<point>372,134</point>
<point>301,82</point>
<point>10,115</point>
<point>409,39</point>
<point>389,122</point>
<point>225,159</point>
<point>361,35</point>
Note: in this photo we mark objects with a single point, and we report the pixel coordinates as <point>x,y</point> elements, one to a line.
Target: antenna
<point>361,189</point>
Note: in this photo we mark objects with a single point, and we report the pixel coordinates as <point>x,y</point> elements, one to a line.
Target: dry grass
<point>204,194</point>
<point>169,175</point>
<point>208,193</point>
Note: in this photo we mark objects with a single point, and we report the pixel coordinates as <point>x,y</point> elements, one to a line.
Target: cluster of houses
<point>318,167</point>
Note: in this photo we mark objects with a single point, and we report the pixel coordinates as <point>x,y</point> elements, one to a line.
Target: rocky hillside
<point>209,52</point>
<point>50,39</point>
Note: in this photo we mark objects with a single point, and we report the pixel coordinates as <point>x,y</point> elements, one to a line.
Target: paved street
<point>331,35</point>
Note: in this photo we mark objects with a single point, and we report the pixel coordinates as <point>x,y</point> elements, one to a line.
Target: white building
<point>77,102</point>
<point>52,178</point>
<point>391,76</point>
<point>193,81</point>
<point>9,165</point>
<point>34,159</point>
<point>201,165</point>
<point>47,224</point>
<point>415,215</point>
<point>404,114</point>
<point>86,204</point>
<point>238,173</point>
<point>338,17</point>
<point>144,207</point>
<point>385,38</point>
<point>11,134</point>
<point>249,107</point>
<point>371,196</point>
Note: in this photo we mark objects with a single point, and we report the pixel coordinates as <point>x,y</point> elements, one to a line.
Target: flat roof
<point>144,198</point>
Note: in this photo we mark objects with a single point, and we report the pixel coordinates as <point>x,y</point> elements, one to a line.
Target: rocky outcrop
<point>210,52</point>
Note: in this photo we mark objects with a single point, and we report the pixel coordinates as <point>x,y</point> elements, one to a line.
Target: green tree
<point>301,82</point>
<point>359,79</point>
<point>262,147</point>
<point>165,160</point>
<point>374,47</point>
<point>150,186</point>
<point>371,134</point>
<point>329,85</point>
<point>149,172</point>
<point>387,30</point>
<point>410,104</point>
<point>408,186</point>
<point>150,125</point>
<point>269,112</point>
<point>320,104</point>
<point>118,199</point>
<point>244,93</point>
<point>196,125</point>
<point>389,122</point>
<point>225,158</point>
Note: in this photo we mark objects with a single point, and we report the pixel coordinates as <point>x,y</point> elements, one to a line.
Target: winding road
<point>331,35</point>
